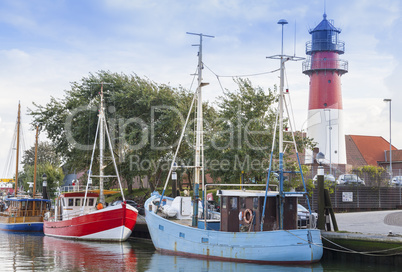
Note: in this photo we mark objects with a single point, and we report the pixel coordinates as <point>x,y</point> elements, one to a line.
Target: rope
<point>347,250</point>
<point>249,75</point>
<point>290,101</point>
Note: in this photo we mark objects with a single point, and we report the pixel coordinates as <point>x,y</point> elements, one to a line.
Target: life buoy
<point>248,216</point>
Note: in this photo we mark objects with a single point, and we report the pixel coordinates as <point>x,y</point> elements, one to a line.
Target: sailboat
<point>78,215</point>
<point>23,212</point>
<point>270,235</point>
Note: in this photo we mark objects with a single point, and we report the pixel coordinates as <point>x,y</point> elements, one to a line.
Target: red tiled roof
<point>396,155</point>
<point>353,155</point>
<point>371,148</point>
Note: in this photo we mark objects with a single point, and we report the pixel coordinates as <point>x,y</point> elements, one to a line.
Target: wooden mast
<point>18,149</point>
<point>36,159</point>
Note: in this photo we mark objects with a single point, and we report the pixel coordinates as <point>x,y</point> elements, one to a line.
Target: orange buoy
<point>248,216</point>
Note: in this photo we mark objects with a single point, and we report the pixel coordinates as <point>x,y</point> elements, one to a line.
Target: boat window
<point>233,203</point>
<point>255,202</point>
<point>243,202</point>
<point>91,202</point>
<point>224,200</point>
<point>70,202</point>
<point>78,202</point>
<point>23,203</point>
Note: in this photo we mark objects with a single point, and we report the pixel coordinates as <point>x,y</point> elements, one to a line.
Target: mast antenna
<point>294,49</point>
<point>199,146</point>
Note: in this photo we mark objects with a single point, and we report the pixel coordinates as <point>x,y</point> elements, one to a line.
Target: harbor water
<point>36,252</point>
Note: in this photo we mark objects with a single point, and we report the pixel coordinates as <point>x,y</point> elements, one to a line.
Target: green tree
<point>53,173</point>
<point>47,163</point>
<point>46,153</point>
<point>144,118</point>
<point>372,175</point>
<point>244,134</point>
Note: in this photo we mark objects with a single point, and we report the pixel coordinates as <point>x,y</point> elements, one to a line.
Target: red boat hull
<point>114,223</point>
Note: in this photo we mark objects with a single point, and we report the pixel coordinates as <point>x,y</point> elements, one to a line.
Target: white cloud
<point>47,44</point>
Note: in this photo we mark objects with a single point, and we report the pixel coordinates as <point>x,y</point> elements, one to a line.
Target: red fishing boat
<point>83,214</point>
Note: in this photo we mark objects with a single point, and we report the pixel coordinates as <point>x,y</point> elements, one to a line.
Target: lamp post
<point>44,187</point>
<point>329,137</point>
<point>390,145</point>
<point>320,157</point>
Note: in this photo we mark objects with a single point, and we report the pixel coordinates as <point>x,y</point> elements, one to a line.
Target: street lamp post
<point>320,157</point>
<point>390,145</point>
<point>44,186</point>
<point>329,137</point>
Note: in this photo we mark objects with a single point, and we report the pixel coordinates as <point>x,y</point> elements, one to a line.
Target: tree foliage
<point>48,163</point>
<point>244,134</point>
<point>46,154</point>
<point>373,175</point>
<point>145,120</point>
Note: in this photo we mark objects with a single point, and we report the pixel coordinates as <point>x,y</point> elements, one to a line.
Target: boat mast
<point>35,164</point>
<point>199,160</point>
<point>281,107</point>
<point>18,149</point>
<point>282,197</point>
<point>101,147</point>
<point>101,129</point>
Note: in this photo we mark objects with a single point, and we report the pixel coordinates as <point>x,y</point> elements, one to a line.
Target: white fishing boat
<point>79,215</point>
<point>269,233</point>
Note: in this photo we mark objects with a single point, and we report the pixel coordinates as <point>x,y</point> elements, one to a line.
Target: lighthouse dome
<point>325,38</point>
<point>325,25</point>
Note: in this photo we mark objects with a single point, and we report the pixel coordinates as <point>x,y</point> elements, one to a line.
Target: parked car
<point>396,181</point>
<point>328,177</point>
<point>350,179</point>
<point>303,217</point>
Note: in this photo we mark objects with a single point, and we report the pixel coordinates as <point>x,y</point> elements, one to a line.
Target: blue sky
<point>46,44</point>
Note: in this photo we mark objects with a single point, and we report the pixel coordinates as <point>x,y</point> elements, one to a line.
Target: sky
<point>47,44</point>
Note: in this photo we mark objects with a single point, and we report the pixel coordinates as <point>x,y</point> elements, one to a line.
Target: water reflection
<point>80,255</point>
<point>21,251</point>
<point>36,252</point>
<point>162,263</point>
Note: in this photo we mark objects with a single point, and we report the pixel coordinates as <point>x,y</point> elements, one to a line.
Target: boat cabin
<point>27,207</point>
<point>69,205</point>
<point>241,210</point>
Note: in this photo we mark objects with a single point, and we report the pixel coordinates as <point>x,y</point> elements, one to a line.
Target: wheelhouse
<point>69,205</point>
<point>242,210</point>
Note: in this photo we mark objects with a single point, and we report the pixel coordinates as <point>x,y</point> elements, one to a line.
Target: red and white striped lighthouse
<point>325,111</point>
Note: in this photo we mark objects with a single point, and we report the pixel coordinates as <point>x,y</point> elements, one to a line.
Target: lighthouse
<point>325,109</point>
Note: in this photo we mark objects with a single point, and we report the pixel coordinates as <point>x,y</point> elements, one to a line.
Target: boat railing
<point>76,188</point>
<point>210,214</point>
<point>22,213</point>
<point>68,215</point>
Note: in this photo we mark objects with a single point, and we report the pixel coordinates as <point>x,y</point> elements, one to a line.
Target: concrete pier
<point>373,234</point>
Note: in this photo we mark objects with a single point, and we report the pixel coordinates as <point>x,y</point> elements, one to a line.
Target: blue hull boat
<point>252,226</point>
<point>296,246</point>
<point>24,214</point>
<point>22,227</point>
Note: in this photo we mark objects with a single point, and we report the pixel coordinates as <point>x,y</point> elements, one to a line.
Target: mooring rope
<point>348,250</point>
